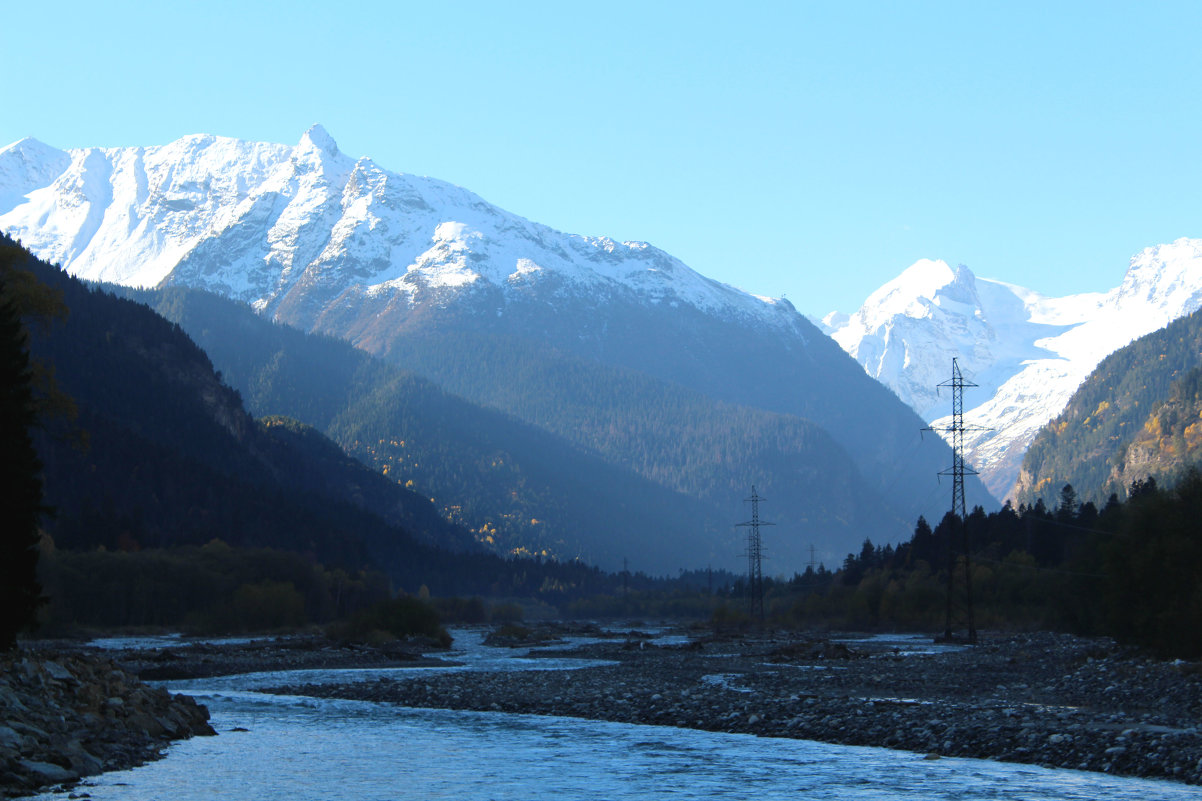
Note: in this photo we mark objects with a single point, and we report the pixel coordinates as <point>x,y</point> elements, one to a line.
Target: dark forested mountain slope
<point>161,453</point>
<point>558,359</point>
<point>657,474</point>
<point>1135,416</point>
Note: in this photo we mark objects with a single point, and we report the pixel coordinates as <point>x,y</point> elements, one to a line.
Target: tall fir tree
<point>20,481</point>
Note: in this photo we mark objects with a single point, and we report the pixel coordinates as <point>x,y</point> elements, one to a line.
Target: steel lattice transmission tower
<point>755,575</point>
<point>959,571</point>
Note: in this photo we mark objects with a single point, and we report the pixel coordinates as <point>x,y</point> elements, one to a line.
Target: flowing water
<point>302,748</point>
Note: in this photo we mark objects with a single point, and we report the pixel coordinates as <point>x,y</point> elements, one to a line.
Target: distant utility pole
<point>755,576</point>
<point>958,600</point>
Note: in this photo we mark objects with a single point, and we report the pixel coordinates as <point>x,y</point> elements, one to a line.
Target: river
<point>280,747</point>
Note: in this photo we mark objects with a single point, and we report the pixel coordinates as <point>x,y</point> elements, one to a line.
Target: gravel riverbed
<point>1045,699</point>
<point>192,660</point>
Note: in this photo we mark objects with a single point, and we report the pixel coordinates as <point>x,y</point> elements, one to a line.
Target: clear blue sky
<point>807,149</point>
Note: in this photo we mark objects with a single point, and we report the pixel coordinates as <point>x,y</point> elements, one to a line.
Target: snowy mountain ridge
<point>255,221</point>
<point>613,347</point>
<point>1027,352</point>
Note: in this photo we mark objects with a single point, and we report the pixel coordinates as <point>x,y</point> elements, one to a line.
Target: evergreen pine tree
<point>20,482</point>
<point>1066,510</point>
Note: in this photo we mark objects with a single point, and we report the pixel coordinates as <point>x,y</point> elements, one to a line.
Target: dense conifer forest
<point>163,499</point>
<point>519,490</point>
<point>20,480</point>
<point>168,505</point>
<point>1131,570</point>
<point>614,453</point>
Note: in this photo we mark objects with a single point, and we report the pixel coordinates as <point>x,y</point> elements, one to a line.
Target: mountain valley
<point>618,349</point>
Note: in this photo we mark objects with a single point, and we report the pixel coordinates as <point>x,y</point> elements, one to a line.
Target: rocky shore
<point>1036,698</point>
<point>65,716</point>
<point>1043,699</point>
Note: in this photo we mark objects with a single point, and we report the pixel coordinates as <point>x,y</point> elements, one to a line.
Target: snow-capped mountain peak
<point>1163,276</point>
<point>1028,353</point>
<point>25,166</point>
<point>317,137</point>
<point>922,291</point>
<point>270,223</point>
<point>907,332</point>
<point>911,292</point>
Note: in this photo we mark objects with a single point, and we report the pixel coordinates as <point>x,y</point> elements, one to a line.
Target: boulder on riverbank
<point>66,716</point>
